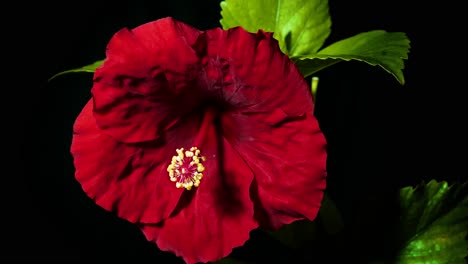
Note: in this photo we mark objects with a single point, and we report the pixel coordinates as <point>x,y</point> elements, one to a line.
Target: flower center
<point>186,168</point>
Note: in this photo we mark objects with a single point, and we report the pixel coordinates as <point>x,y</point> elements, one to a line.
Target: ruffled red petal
<point>272,125</point>
<point>215,217</point>
<point>141,89</point>
<point>129,179</point>
<point>252,74</point>
<point>289,164</point>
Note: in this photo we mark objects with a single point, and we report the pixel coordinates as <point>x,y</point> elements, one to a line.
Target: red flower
<point>198,137</point>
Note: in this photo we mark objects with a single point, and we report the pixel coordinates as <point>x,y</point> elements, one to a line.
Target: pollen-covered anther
<point>186,168</point>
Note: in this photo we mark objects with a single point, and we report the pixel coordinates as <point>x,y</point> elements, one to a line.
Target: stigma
<point>186,168</point>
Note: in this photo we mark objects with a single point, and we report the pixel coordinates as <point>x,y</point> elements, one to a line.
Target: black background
<point>381,135</point>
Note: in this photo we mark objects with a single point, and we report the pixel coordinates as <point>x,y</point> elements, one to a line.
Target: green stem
<point>314,86</point>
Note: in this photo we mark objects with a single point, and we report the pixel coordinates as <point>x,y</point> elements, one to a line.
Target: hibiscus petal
<point>253,73</point>
<point>218,215</point>
<point>289,163</point>
<point>129,179</point>
<point>270,122</point>
<point>139,90</point>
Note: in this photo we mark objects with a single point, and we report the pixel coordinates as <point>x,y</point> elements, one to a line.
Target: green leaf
<point>87,68</point>
<point>300,26</point>
<point>434,223</point>
<point>312,64</point>
<point>377,47</point>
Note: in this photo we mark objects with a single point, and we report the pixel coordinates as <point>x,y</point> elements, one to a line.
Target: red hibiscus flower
<point>198,137</point>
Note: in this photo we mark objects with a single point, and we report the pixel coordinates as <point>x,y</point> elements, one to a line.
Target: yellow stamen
<point>200,167</point>
<point>186,168</point>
